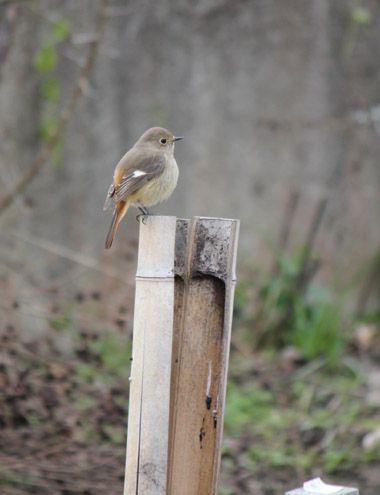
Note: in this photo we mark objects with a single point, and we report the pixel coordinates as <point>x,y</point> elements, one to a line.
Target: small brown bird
<point>146,175</point>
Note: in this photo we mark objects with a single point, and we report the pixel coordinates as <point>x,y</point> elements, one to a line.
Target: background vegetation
<point>279,106</point>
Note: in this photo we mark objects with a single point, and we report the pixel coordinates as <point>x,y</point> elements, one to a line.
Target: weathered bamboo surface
<point>149,401</point>
<point>183,312</point>
<point>205,279</point>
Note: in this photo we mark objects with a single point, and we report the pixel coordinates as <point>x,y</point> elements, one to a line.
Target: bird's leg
<point>143,214</point>
<point>143,210</point>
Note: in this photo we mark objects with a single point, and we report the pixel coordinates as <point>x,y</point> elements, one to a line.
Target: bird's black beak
<point>177,138</point>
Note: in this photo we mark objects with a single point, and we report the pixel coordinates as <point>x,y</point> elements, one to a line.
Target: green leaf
<point>113,353</point>
<point>334,459</point>
<point>225,491</point>
<point>361,15</point>
<point>45,59</point>
<point>86,372</point>
<point>85,402</point>
<point>115,433</point>
<point>245,405</point>
<point>48,127</point>
<point>318,331</point>
<point>61,29</point>
<point>56,153</point>
<point>60,323</point>
<point>50,89</point>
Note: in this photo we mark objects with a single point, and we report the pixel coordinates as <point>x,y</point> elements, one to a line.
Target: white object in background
<point>316,485</point>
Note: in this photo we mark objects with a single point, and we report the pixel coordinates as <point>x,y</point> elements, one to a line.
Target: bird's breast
<point>160,188</point>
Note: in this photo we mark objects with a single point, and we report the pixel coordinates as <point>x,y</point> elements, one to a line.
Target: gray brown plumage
<point>146,175</point>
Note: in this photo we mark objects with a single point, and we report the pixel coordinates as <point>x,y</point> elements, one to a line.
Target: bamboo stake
<point>205,270</point>
<point>180,355</point>
<point>148,419</point>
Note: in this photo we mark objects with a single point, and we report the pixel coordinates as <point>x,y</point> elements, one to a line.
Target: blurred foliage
<point>60,322</point>
<point>296,398</point>
<point>303,420</point>
<point>46,58</point>
<point>289,312</point>
<point>45,63</point>
<point>361,15</point>
<point>317,327</point>
<point>301,411</point>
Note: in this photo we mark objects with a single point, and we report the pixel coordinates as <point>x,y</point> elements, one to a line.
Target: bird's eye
<point>163,140</point>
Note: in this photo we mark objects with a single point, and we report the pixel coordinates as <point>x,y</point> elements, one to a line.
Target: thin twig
<point>46,149</point>
<point>7,29</point>
<point>288,219</point>
<point>371,281</point>
<point>69,254</point>
<point>311,235</point>
<point>286,226</point>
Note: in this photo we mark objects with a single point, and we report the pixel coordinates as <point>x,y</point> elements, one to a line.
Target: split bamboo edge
<point>182,327</point>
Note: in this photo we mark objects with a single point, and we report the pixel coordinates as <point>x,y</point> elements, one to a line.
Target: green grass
<point>271,425</point>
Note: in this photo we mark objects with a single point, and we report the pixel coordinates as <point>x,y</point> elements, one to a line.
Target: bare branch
<point>7,27</point>
<point>66,114</point>
<point>69,254</point>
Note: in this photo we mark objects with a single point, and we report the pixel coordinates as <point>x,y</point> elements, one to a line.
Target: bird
<point>145,176</point>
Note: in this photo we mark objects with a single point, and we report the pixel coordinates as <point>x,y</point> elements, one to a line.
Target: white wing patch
<point>137,173</point>
<point>128,183</point>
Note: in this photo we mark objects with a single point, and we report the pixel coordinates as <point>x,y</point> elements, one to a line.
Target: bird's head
<point>158,138</point>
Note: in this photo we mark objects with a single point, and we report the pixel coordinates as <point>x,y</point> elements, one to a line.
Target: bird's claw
<point>141,216</point>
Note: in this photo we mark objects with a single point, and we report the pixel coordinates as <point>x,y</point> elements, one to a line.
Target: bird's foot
<point>141,216</point>
<point>144,213</point>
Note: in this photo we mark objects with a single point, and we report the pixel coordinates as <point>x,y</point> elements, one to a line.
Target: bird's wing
<point>146,169</point>
<point>133,177</point>
<point>110,197</point>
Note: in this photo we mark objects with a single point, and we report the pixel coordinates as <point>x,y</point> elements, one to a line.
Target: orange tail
<point>118,214</point>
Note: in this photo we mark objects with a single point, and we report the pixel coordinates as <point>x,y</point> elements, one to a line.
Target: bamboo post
<point>149,396</point>
<point>205,270</point>
<point>180,355</point>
